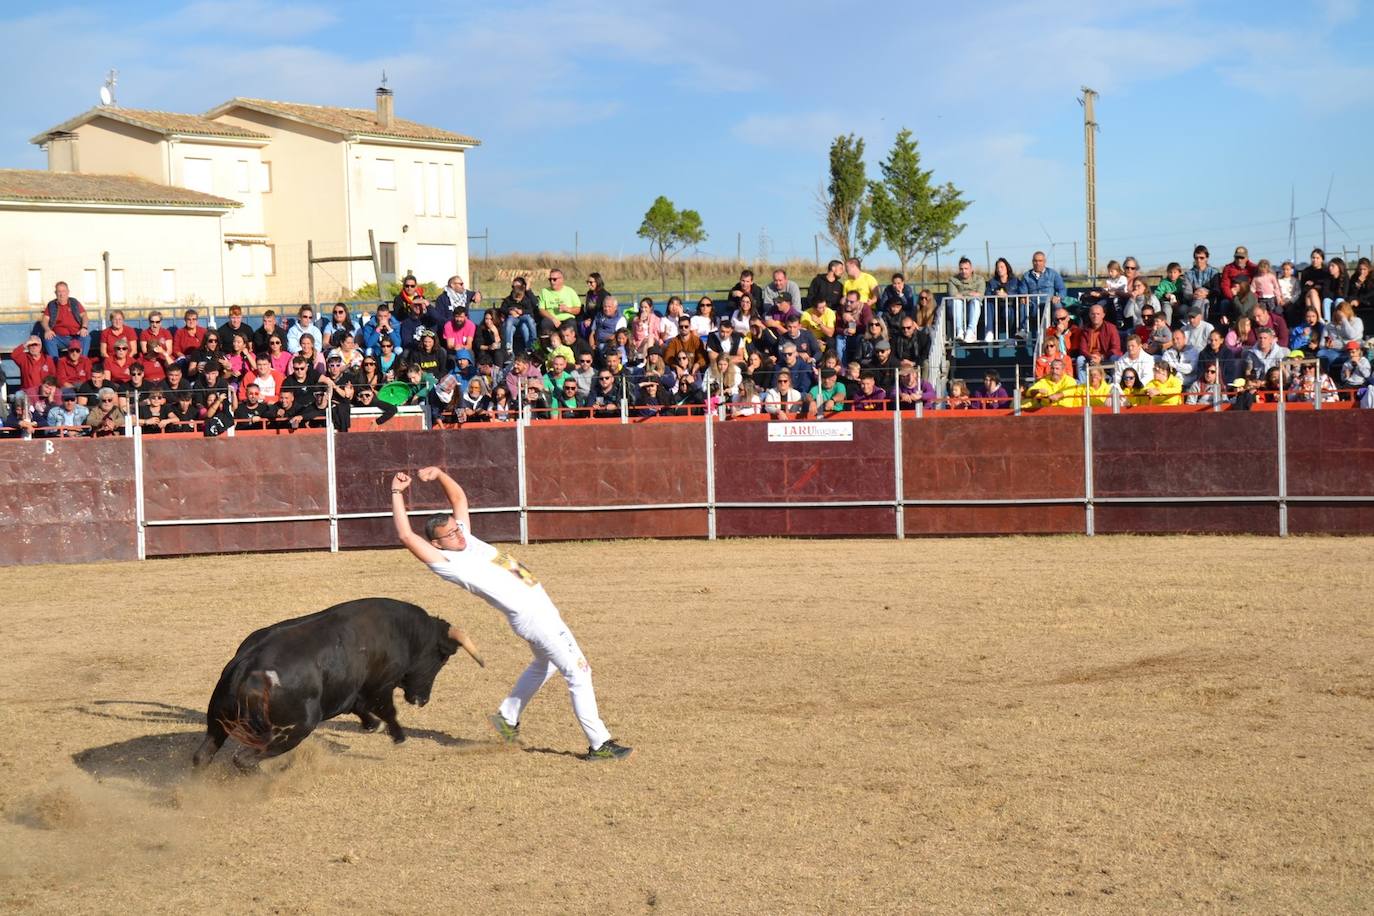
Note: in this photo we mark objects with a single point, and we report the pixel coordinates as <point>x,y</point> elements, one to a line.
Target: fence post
<point>710,474</point>
<point>1089,519</point>
<point>1283,468</point>
<point>332,470</point>
<point>900,487</point>
<point>520,482</point>
<point>140,528</point>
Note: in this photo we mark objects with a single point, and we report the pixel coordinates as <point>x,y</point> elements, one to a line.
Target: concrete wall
<point>106,147</point>
<point>969,475</point>
<point>64,244</point>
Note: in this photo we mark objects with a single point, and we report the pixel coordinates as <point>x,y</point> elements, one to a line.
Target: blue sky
<point>1209,111</point>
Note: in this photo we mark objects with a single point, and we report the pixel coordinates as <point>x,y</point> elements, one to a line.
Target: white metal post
<point>711,473</point>
<point>897,482</point>
<point>139,516</point>
<point>520,482</point>
<point>333,478</point>
<point>1283,468</point>
<point>1089,521</point>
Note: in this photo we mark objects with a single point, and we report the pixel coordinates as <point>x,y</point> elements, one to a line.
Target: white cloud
<point>247,18</point>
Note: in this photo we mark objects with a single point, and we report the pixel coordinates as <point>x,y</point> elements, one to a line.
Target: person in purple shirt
<point>992,396</point>
<point>912,388</point>
<point>869,396</point>
<point>780,312</point>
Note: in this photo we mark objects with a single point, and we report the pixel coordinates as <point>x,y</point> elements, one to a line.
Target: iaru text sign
<point>835,431</point>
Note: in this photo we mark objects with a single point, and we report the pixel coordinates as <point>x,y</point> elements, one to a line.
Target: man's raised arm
<point>423,550</point>
<point>456,497</point>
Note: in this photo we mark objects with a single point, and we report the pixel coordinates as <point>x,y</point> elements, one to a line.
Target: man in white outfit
<point>499,579</point>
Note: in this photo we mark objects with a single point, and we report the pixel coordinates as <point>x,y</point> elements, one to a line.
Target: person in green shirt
<point>557,374</point>
<point>827,397</point>
<point>557,303</point>
<point>1167,290</point>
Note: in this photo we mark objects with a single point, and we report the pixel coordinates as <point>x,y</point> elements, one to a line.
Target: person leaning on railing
<point>1053,388</point>
<point>911,388</point>
<point>827,398</point>
<point>67,417</point>
<point>107,417</point>
<point>1210,388</point>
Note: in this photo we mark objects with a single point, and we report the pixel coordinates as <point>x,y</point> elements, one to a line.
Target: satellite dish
<point>106,97</point>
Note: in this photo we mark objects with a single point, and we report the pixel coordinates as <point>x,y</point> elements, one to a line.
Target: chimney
<point>383,106</point>
<point>62,155</point>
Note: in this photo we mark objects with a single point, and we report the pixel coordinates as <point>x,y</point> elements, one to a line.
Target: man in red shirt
<point>268,380</point>
<point>34,365</point>
<point>1240,265</point>
<point>117,330</point>
<point>190,336</point>
<point>63,318</point>
<point>74,368</point>
<point>1098,342</point>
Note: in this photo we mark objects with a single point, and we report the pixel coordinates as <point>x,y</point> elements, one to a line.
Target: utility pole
<point>1090,176</point>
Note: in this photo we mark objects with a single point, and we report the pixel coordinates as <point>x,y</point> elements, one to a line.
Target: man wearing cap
<point>1266,354</point>
<point>67,416</point>
<point>880,359</point>
<point>827,398</point>
<point>106,418</point>
<point>73,369</point>
<point>1196,328</point>
<point>912,388</point>
<point>782,308</point>
<point>34,365</point>
<point>1240,265</point>
<point>1355,369</point>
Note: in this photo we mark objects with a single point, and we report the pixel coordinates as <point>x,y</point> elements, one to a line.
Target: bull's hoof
<point>398,737</point>
<point>369,723</point>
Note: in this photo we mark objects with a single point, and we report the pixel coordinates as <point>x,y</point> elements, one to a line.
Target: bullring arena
<point>842,726</point>
<point>1021,723</point>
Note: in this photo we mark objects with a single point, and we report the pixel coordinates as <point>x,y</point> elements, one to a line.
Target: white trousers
<point>555,650</point>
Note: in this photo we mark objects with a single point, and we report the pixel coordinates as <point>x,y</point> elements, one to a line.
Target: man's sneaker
<point>509,733</point>
<point>609,751</point>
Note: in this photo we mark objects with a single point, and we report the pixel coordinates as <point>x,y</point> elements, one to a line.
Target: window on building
<point>35,278</point>
<point>169,284</point>
<point>386,174</point>
<point>267,259</point>
<point>432,188</point>
<point>243,177</point>
<point>386,253</point>
<point>417,186</point>
<point>90,286</point>
<point>446,188</point>
<point>198,175</point>
<point>246,260</point>
<point>264,177</point>
<point>117,286</point>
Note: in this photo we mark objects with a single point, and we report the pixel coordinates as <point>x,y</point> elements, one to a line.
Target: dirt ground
<point>821,726</point>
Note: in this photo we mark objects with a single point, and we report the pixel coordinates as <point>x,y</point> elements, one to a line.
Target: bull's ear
<point>459,636</point>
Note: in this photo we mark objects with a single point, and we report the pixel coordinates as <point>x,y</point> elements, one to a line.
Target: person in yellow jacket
<point>1097,391</point>
<point>1053,389</point>
<point>1166,388</point>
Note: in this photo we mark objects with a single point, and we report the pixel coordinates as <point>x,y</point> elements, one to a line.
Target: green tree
<point>669,231</point>
<point>909,214</point>
<point>842,203</point>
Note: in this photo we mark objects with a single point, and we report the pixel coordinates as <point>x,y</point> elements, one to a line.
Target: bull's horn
<point>459,636</point>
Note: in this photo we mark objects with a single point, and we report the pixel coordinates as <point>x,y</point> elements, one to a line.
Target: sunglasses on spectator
<point>369,362</point>
<point>155,321</point>
<point>340,312</point>
<point>607,378</point>
<point>122,347</point>
<point>410,286</point>
<point>274,342</point>
<point>107,400</point>
<point>387,343</point>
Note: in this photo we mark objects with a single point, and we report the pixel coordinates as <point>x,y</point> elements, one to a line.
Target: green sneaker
<point>609,751</point>
<point>509,733</point>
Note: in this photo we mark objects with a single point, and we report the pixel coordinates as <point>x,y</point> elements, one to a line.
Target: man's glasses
<point>155,321</point>
<point>410,286</point>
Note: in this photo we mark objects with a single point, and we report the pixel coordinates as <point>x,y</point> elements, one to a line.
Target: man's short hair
<point>834,264</point>
<point>963,261</point>
<point>1201,249</point>
<point>434,523</point>
<point>746,273</point>
<point>856,262</point>
<point>235,310</point>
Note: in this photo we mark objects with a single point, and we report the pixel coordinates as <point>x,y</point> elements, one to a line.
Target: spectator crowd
<point>1234,335</point>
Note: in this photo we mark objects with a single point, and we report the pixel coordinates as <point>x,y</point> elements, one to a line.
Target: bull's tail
<point>251,722</point>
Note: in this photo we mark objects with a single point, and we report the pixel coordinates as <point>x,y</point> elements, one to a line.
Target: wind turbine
<point>1293,221</point>
<point>1326,214</point>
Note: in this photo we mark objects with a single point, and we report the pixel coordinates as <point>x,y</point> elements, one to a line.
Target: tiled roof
<point>73,187</point>
<point>346,120</point>
<point>162,122</point>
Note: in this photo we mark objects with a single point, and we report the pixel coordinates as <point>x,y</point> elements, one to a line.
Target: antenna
<point>383,79</point>
<point>107,96</point>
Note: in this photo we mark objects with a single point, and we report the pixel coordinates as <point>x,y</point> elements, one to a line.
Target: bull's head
<point>419,680</point>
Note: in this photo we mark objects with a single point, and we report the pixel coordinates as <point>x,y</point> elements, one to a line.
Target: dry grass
<point>1013,725</point>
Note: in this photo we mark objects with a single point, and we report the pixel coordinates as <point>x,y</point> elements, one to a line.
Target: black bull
<point>287,678</point>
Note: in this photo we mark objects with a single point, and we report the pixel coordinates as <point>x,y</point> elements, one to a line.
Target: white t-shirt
<point>497,578</point>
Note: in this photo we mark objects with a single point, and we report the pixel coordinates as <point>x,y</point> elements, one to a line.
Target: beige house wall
<point>404,216</point>
<point>307,201</point>
<point>108,147</point>
<point>67,245</point>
